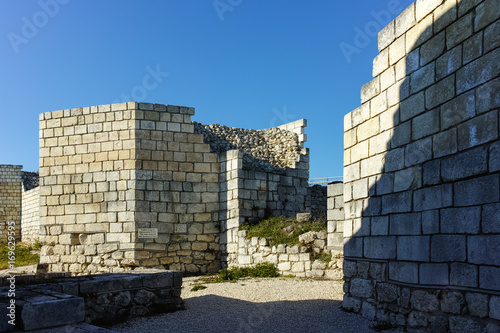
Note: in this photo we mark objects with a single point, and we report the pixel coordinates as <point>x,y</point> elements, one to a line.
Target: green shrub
<point>267,270</point>
<point>197,287</point>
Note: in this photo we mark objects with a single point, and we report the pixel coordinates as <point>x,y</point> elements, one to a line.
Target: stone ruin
<point>140,185</point>
<point>134,184</point>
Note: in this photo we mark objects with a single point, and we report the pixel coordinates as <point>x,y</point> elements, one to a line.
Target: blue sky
<point>241,63</point>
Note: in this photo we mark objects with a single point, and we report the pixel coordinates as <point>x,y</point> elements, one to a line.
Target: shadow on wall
<point>422,169</point>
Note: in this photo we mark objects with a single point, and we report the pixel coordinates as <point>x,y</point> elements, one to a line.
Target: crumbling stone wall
<point>250,192</point>
<point>10,199</point>
<point>422,173</point>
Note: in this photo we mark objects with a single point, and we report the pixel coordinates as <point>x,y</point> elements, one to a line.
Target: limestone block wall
<point>335,216</point>
<point>126,185</point>
<point>10,199</point>
<point>316,201</point>
<point>421,175</point>
<point>30,217</point>
<point>297,260</point>
<point>253,191</point>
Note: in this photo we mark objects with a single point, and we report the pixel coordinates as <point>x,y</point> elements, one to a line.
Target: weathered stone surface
<point>422,78</point>
<point>396,203</point>
<point>432,197</point>
<point>144,297</point>
<point>303,217</point>
<point>380,247</point>
<point>488,277</point>
<point>486,13</point>
<point>403,271</point>
<point>491,218</point>
<point>430,222</point>
<point>470,163</point>
<point>458,31</point>
<point>431,170</point>
<point>379,225</point>
<point>49,311</point>
<point>408,179</point>
<point>418,151</point>
<point>412,106</point>
<point>361,288</point>
<point>406,224</point>
<point>458,110</point>
<point>463,325</point>
<point>452,302</point>
<point>492,37</point>
<point>477,191</point>
<point>413,248</point>
<point>488,95</point>
<point>495,307</point>
<point>434,274</point>
<point>387,292</point>
<point>460,220</point>
<point>351,304</point>
<point>449,62</point>
<point>440,92</point>
<point>469,136</point>
<point>477,304</point>
<point>464,275</point>
<point>424,301</point>
<point>445,248</point>
<point>478,71</point>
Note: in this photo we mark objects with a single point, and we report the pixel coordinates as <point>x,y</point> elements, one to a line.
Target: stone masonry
<point>30,216</point>
<point>422,163</point>
<point>133,184</point>
<point>335,215</point>
<point>10,198</point>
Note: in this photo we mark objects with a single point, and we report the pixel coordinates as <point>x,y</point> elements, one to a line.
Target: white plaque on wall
<point>147,232</point>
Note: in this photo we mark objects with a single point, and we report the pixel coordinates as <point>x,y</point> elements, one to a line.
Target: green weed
<point>23,253</point>
<point>281,230</point>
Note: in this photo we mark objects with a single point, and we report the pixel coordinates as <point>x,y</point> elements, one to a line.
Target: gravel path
<point>256,305</point>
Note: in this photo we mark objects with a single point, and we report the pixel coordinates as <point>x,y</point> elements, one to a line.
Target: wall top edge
<point>117,107</point>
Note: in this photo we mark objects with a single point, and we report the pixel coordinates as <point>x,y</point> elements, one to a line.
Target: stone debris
<point>269,150</point>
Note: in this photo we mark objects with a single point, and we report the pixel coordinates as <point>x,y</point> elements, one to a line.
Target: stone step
<point>37,309</point>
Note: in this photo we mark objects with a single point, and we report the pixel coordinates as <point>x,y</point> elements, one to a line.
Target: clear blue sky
<point>242,63</point>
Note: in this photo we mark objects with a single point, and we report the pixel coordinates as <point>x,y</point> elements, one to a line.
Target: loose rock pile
<point>270,149</point>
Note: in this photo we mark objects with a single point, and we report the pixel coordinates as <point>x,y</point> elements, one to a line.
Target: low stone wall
<point>437,309</point>
<point>30,219</point>
<point>294,260</point>
<point>98,299</point>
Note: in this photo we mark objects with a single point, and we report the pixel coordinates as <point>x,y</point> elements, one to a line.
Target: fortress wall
<point>422,191</point>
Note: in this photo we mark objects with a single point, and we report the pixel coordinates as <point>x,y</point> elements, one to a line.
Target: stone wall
<point>10,199</point>
<point>252,195</point>
<point>297,260</point>
<point>335,216</point>
<point>30,217</point>
<point>133,184</point>
<point>421,173</point>
<point>316,201</point>
<point>126,185</point>
<point>103,299</point>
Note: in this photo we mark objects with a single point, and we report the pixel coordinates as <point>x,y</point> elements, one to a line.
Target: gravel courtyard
<point>256,305</point>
